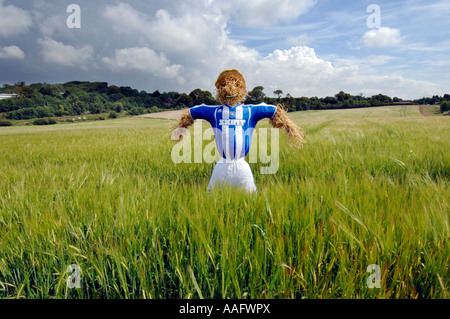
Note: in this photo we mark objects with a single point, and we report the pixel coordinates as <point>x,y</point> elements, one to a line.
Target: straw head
<point>231,87</point>
<point>230,73</point>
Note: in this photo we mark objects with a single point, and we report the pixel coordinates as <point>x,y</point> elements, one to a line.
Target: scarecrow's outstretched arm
<point>183,123</point>
<point>281,120</point>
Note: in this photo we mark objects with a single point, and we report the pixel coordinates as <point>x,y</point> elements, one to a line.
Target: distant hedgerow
<point>47,121</point>
<point>112,115</point>
<point>5,123</point>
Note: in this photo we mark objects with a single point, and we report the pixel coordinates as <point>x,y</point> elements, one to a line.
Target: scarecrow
<point>233,124</point>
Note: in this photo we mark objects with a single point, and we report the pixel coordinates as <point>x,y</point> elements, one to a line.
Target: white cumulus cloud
<point>11,52</point>
<point>199,46</point>
<point>193,30</point>
<point>144,60</point>
<point>298,71</point>
<point>55,52</point>
<point>126,19</point>
<point>195,38</point>
<point>382,37</point>
<point>13,20</point>
<point>49,26</point>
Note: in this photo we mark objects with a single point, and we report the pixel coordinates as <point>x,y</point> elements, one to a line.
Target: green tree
<point>383,99</point>
<point>96,108</point>
<point>342,96</point>
<point>46,90</point>
<point>44,112</point>
<point>445,106</point>
<point>256,95</point>
<point>78,107</point>
<point>118,107</point>
<point>26,92</point>
<point>278,93</point>
<point>113,89</point>
<point>136,111</point>
<point>183,101</point>
<point>329,100</point>
<point>112,115</point>
<point>199,97</point>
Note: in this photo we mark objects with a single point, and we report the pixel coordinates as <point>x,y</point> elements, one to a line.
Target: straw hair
<point>231,72</point>
<point>231,87</point>
<point>281,120</point>
<point>184,122</point>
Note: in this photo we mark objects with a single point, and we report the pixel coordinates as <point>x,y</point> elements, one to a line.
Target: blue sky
<point>303,47</point>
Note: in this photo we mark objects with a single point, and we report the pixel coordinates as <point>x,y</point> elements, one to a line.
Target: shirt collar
<point>231,107</point>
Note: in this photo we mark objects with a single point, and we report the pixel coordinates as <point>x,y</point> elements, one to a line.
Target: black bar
<point>264,308</point>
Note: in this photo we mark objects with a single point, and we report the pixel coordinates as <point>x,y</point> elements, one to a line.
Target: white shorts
<point>236,173</point>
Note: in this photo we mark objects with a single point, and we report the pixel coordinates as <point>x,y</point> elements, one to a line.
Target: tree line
<point>42,100</point>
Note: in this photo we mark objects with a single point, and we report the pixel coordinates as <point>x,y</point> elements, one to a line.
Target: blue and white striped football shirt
<point>233,126</point>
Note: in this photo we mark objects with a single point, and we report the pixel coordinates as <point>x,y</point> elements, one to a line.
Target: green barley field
<point>371,187</point>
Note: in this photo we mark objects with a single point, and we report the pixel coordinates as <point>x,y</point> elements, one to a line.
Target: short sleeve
<point>203,112</point>
<point>261,111</point>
